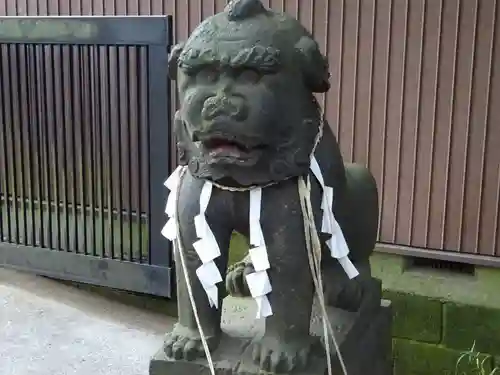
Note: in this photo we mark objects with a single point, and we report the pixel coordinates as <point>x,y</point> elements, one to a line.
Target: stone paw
<point>185,343</point>
<point>236,284</point>
<point>275,355</point>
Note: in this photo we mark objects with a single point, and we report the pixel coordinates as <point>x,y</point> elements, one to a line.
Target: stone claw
<point>236,284</point>
<point>277,356</point>
<point>185,343</point>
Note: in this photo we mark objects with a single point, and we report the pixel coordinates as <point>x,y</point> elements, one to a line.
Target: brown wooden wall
<point>415,96</point>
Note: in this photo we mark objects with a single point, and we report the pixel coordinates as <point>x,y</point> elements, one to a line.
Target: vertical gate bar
<point>142,94</point>
<point>17,138</point>
<point>129,104</point>
<point>13,83</point>
<point>78,118</point>
<point>72,117</point>
<point>468,121</point>
<point>417,121</point>
<point>33,139</point>
<point>433,123</point>
<point>32,130</point>
<point>42,164</point>
<point>87,86</point>
<point>57,119</point>
<point>452,118</point>
<point>100,139</point>
<point>89,123</point>
<point>22,100</point>
<point>31,126</point>
<point>96,104</point>
<point>14,233</point>
<point>159,135</point>
<point>44,71</point>
<point>109,108</point>
<point>5,157</point>
<point>119,206</point>
<point>66,115</point>
<point>101,74</point>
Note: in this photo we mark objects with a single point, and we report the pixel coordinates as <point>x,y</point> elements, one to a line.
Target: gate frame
<point>155,33</point>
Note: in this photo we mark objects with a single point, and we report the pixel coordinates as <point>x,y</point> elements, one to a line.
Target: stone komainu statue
<point>249,118</point>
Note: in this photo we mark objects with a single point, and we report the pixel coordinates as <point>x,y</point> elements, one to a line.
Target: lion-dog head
<point>246,80</point>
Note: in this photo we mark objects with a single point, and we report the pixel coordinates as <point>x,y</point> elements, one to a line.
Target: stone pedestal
<point>365,344</point>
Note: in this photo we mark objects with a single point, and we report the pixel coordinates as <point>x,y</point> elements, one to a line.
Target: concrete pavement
<point>47,328</point>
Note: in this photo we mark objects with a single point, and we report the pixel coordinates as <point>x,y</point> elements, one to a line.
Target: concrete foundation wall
<point>440,314</point>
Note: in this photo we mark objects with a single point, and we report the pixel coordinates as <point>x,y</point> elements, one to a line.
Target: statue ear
<point>314,65</point>
<point>173,60</point>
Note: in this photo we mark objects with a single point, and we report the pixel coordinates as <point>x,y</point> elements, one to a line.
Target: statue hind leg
<point>357,214</point>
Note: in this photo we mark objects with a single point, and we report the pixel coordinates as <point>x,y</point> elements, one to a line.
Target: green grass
<point>477,361</point>
<point>239,248</point>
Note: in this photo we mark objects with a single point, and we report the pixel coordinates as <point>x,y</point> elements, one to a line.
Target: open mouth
<point>223,148</point>
<point>220,144</point>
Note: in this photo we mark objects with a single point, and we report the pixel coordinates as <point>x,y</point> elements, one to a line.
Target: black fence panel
<point>84,149</point>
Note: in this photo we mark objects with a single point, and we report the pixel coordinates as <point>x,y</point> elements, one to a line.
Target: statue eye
<point>208,75</point>
<point>249,76</point>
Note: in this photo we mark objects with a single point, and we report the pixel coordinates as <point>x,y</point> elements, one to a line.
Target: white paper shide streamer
<point>206,246</point>
<point>337,243</point>
<point>172,183</point>
<point>207,249</point>
<point>258,282</point>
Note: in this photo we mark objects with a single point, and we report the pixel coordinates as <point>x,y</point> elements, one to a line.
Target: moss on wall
<point>418,358</point>
<point>439,315</point>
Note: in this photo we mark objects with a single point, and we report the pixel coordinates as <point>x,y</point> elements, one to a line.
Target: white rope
<point>314,256</point>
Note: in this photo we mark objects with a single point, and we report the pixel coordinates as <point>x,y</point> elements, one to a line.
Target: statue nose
<point>222,105</point>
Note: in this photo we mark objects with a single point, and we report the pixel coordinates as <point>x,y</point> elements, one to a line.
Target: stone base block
<point>365,344</point>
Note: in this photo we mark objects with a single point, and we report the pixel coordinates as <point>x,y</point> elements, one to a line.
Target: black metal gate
<point>84,149</point>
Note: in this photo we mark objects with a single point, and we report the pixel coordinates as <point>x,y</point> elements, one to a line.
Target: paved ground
<point>51,329</point>
<point>47,328</point>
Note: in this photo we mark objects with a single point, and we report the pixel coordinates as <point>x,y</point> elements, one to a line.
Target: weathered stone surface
<point>233,356</point>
